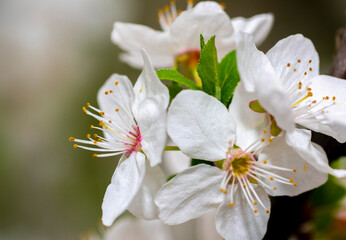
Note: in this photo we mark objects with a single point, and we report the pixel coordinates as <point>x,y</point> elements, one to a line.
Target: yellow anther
<point>223,5</point>
<point>231,204</point>
<point>72,139</point>
<point>270,140</point>
<point>190,2</point>
<point>255,211</point>
<point>75,145</point>
<point>99,140</point>
<point>84,109</point>
<point>116,83</point>
<point>101,124</point>
<point>314,101</point>
<point>95,135</point>
<point>172,2</point>
<point>88,104</point>
<point>141,90</point>
<point>223,190</point>
<point>262,140</point>
<point>246,155</point>
<point>265,162</point>
<point>294,184</point>
<point>166,8</point>
<point>294,70</point>
<point>264,131</point>
<point>110,121</point>
<point>111,91</point>
<point>254,203</point>
<point>106,92</point>
<point>288,64</point>
<point>294,170</point>
<point>309,94</point>
<point>94,142</point>
<point>94,155</point>
<point>305,73</point>
<point>271,178</point>
<point>267,211</point>
<point>334,98</point>
<point>310,69</point>
<point>102,113</point>
<point>117,109</point>
<point>244,186</point>
<point>274,188</point>
<point>88,135</point>
<point>298,61</point>
<point>310,61</point>
<point>291,180</point>
<point>91,126</point>
<point>327,98</point>
<point>160,12</point>
<point>309,89</point>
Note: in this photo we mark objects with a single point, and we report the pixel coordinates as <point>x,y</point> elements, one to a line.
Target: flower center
<point>186,63</point>
<point>136,141</point>
<point>238,162</point>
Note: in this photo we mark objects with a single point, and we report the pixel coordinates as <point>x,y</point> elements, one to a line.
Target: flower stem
<point>171,148</point>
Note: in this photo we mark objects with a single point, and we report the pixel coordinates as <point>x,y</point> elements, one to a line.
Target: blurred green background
<point>54,56</point>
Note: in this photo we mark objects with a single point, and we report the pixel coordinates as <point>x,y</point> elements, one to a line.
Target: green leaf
<point>172,176</point>
<point>199,161</point>
<point>229,77</point>
<point>174,89</point>
<point>173,75</point>
<point>201,40</point>
<point>208,69</point>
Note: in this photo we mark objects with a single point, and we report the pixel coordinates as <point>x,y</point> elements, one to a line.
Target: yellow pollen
<point>166,8</point>
<point>117,109</point>
<point>294,170</point>
<point>322,111</point>
<point>310,69</point>
<point>310,61</point>
<point>102,113</point>
<point>288,64</point>
<point>116,83</point>
<point>264,131</point>
<point>294,70</point>
<point>334,98</point>
<point>72,139</point>
<point>91,126</point>
<point>309,89</point>
<point>141,90</point>
<point>262,140</point>
<point>88,135</point>
<point>255,211</point>
<point>291,180</point>
<point>110,121</point>
<point>94,142</point>
<point>84,109</point>
<point>179,11</point>
<point>265,162</point>
<point>111,91</point>
<point>299,101</point>
<point>94,155</point>
<point>274,188</point>
<point>294,184</point>
<point>254,203</point>
<point>271,178</point>
<point>190,1</point>
<point>298,61</point>
<point>270,140</point>
<point>314,101</point>
<point>160,12</point>
<point>95,135</point>
<point>172,2</point>
<point>267,211</point>
<point>305,73</point>
<point>231,204</point>
<point>244,186</point>
<point>88,104</point>
<point>99,140</point>
<point>327,97</point>
<point>106,92</point>
<point>75,145</point>
<point>223,5</point>
<point>101,124</point>
<point>223,190</point>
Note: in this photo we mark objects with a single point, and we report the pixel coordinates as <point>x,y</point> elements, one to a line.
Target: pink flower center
<point>136,141</point>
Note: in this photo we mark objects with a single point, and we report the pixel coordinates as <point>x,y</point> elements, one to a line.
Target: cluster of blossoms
<point>246,120</point>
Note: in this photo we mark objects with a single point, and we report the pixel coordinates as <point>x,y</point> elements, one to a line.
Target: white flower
<point>181,33</point>
<point>203,128</point>
<point>133,122</point>
<point>286,82</point>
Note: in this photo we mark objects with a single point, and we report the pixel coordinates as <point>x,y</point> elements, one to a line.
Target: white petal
<point>251,62</point>
<point>151,101</point>
<point>121,98</point>
<point>190,194</point>
<point>174,162</point>
<point>297,51</point>
<point>332,120</point>
<point>258,26</point>
<point>159,61</point>
<point>307,177</point>
<point>200,125</point>
<point>134,37</point>
<point>249,123</point>
<point>240,222</point>
<point>300,140</point>
<point>143,204</point>
<point>207,18</point>
<point>126,181</point>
